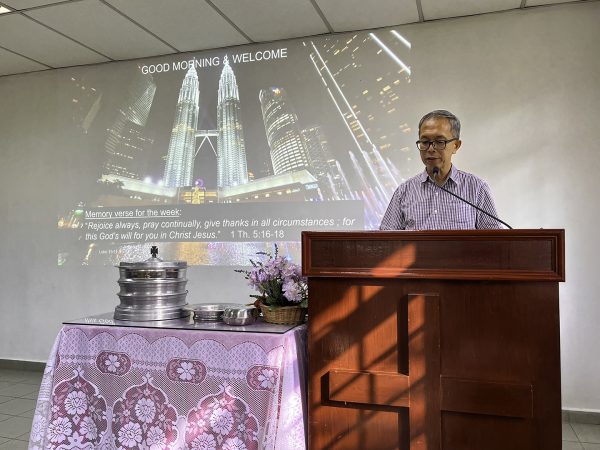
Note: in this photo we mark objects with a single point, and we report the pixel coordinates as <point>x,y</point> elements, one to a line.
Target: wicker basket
<point>285,315</point>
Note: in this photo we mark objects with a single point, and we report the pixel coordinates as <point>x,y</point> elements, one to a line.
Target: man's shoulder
<point>468,178</point>
<point>418,178</point>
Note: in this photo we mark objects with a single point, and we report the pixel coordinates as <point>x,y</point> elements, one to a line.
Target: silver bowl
<point>209,312</point>
<point>240,315</point>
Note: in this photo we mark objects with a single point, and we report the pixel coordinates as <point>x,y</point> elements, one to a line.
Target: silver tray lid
<point>154,262</point>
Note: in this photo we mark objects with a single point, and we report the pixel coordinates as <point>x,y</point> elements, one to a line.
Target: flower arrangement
<point>279,282</point>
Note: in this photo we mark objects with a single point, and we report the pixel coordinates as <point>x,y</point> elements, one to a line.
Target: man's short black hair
<point>442,113</point>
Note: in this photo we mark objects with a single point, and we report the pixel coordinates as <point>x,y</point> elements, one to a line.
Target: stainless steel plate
<point>210,312</point>
<point>240,315</point>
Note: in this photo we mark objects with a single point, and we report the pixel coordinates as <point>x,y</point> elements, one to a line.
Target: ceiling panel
<point>101,28</point>
<point>185,24</point>
<point>24,36</point>
<point>347,15</point>
<point>268,20</point>
<point>11,63</point>
<point>24,4</point>
<point>439,9</point>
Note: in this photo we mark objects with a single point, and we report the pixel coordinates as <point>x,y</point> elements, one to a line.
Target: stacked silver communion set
<point>152,290</point>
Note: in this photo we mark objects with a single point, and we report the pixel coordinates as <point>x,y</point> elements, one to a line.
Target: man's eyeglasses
<point>438,144</point>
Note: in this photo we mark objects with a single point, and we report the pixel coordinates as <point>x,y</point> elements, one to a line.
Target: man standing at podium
<point>421,202</point>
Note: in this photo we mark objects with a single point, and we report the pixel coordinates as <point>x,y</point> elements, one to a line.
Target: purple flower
<point>277,280</point>
<point>292,292</point>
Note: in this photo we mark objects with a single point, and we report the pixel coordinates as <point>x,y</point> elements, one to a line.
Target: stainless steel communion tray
<point>152,290</point>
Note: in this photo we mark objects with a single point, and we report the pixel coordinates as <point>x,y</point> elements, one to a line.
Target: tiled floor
<point>18,393</point>
<point>19,389</point>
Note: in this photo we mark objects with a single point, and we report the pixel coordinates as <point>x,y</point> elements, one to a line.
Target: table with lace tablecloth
<point>108,387</point>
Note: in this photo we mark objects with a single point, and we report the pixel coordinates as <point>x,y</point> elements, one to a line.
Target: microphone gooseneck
<point>436,171</point>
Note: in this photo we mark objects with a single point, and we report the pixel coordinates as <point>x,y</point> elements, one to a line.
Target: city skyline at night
<point>324,122</point>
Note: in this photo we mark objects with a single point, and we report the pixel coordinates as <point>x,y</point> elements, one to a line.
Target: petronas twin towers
<point>179,169</point>
<point>231,166</point>
<point>231,153</point>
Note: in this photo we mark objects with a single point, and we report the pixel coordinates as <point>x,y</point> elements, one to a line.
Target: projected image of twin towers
<point>231,152</point>
<point>287,149</point>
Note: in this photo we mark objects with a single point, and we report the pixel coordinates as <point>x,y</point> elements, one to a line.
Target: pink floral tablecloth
<point>132,388</point>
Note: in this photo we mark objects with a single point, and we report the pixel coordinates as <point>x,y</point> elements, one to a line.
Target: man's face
<point>438,129</point>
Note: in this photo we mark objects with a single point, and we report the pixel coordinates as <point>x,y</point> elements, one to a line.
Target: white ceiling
<point>47,34</point>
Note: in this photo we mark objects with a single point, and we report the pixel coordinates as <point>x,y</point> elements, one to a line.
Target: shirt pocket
<point>458,215</point>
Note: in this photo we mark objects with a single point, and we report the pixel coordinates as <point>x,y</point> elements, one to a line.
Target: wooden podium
<point>434,339</point>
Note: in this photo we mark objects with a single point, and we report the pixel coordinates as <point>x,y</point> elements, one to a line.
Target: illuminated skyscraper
<point>179,168</point>
<point>231,153</point>
<point>85,102</point>
<point>288,152</point>
<point>120,158</point>
<point>365,77</point>
<point>319,154</point>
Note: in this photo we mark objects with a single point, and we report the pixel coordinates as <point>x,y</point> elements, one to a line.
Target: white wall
<point>526,87</point>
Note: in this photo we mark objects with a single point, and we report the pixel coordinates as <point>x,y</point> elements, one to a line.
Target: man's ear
<point>457,145</point>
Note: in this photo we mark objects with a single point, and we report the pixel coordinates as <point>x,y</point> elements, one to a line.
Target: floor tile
<point>6,384</point>
<point>2,440</point>
<point>17,406</point>
<point>5,399</point>
<point>18,390</point>
<point>24,437</point>
<point>33,395</point>
<point>33,378</point>
<point>15,427</point>
<point>4,417</point>
<point>14,445</point>
<point>10,376</point>
<point>568,446</point>
<point>28,414</point>
<point>567,433</point>
<point>21,376</point>
<point>584,417</point>
<point>591,446</point>
<point>585,432</point>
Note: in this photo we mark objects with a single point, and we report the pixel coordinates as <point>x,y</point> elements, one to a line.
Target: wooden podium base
<point>405,355</point>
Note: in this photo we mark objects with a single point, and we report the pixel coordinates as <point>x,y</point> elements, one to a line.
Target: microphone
<point>436,172</point>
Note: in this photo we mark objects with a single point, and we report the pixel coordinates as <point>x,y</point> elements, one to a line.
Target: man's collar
<point>454,175</point>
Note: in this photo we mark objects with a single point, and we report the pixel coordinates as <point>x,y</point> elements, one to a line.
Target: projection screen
<point>217,154</point>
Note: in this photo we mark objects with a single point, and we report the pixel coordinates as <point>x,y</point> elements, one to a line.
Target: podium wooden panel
<point>434,339</point>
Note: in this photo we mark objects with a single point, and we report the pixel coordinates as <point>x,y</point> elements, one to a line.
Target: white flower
<point>221,421</point>
<point>112,363</point>
<point>186,370</point>
<point>145,410</point>
<point>156,439</point>
<point>234,443</point>
<point>89,429</point>
<point>130,435</point>
<point>204,442</point>
<point>76,402</point>
<point>76,441</point>
<point>267,378</point>
<point>59,429</point>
